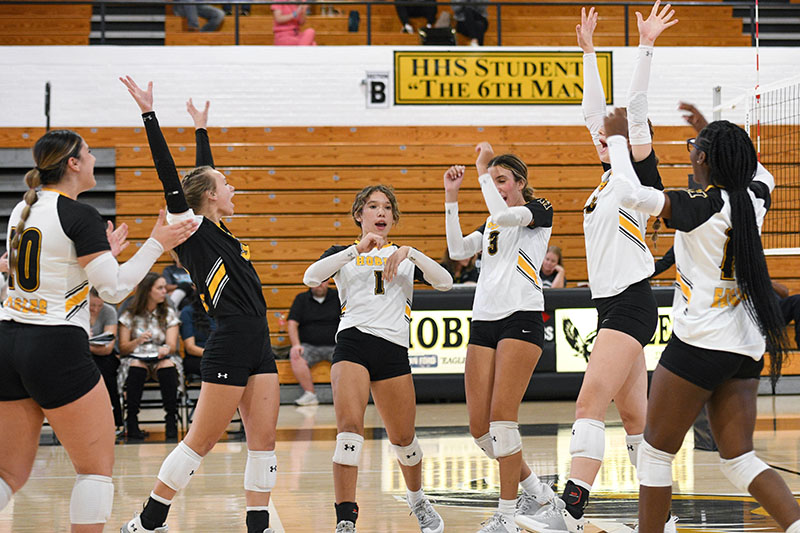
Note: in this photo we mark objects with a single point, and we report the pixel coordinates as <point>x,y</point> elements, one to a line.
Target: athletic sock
<point>414,497</point>
<point>257,519</point>
<point>154,513</point>
<point>531,484</point>
<point>346,511</point>
<point>5,493</point>
<point>506,507</point>
<point>576,496</point>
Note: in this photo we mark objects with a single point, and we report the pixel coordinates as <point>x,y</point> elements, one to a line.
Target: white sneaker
<point>308,398</point>
<point>499,523</point>
<point>671,526</point>
<point>529,504</point>
<point>429,520</point>
<point>408,28</point>
<point>345,526</point>
<point>135,526</point>
<point>552,518</point>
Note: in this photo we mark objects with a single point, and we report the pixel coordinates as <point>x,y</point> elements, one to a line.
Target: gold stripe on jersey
<point>407,314</point>
<point>525,267</point>
<point>76,302</point>
<point>216,281</point>
<point>343,308</point>
<point>629,228</point>
<point>685,285</point>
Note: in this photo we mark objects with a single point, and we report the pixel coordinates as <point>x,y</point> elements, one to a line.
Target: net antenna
<point>771,115</point>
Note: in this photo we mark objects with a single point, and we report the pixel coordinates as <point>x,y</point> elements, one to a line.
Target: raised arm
<point>202,155</point>
<point>502,214</point>
<point>594,99</point>
<point>649,30</point>
<point>165,165</point>
<point>458,247</point>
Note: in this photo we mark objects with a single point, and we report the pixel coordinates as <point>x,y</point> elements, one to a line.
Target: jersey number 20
<point>30,247</point>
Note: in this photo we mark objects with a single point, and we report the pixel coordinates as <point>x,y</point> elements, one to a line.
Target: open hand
<point>117,238</point>
<point>585,30</point>
<point>200,118</point>
<point>616,123</point>
<point>171,235</point>
<point>144,98</point>
<point>485,154</point>
<point>393,263</point>
<point>370,241</point>
<point>695,118</point>
<point>650,29</point>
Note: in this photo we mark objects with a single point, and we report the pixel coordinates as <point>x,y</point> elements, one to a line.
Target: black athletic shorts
<point>51,364</point>
<point>633,311</point>
<point>707,368</point>
<point>383,359</point>
<point>236,350</point>
<point>523,325</point>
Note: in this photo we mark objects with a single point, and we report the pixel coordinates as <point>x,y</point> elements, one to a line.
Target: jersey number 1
<point>30,247</point>
<point>379,282</point>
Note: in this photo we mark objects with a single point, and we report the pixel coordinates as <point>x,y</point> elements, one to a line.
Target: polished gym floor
<point>460,480</point>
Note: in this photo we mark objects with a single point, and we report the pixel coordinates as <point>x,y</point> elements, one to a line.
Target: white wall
<point>312,86</point>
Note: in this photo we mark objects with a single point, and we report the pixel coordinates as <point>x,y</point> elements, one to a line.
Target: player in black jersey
<point>238,367</point>
<point>58,246</point>
<point>722,315</point>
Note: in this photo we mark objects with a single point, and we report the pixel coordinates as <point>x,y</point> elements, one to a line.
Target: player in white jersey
<point>57,248</point>
<point>375,279</point>
<point>619,266</point>
<point>507,327</point>
<point>722,312</point>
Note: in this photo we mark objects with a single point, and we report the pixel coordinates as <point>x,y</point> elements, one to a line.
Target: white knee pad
<point>409,455</point>
<point>794,527</point>
<point>655,466</point>
<point>632,443</point>
<point>5,494</point>
<point>261,471</point>
<point>742,470</point>
<point>588,439</point>
<point>179,467</point>
<point>485,443</point>
<point>92,499</point>
<point>348,449</point>
<point>506,439</point>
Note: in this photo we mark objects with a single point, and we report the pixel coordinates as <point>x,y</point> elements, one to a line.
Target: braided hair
<point>732,162</point>
<point>518,168</point>
<point>51,154</point>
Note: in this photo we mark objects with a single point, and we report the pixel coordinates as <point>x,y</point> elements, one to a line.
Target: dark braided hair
<point>732,162</point>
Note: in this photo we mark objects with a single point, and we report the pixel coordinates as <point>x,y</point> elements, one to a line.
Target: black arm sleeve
<point>646,171</point>
<point>665,262</point>
<point>165,165</point>
<point>542,212</point>
<point>692,208</point>
<point>202,154</point>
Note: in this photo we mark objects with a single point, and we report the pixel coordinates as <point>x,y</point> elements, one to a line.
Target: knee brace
<point>485,443</point>
<point>92,499</point>
<point>261,471</point>
<point>179,467</point>
<point>348,449</point>
<point>409,455</point>
<point>632,443</point>
<point>5,494</point>
<point>588,439</point>
<point>655,466</point>
<point>742,470</point>
<point>506,439</point>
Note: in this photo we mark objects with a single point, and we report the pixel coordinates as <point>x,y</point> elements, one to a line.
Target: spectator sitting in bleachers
<point>472,20</point>
<point>464,272</point>
<point>288,19</point>
<point>790,307</point>
<point>244,9</point>
<point>148,341</point>
<point>179,282</point>
<point>312,325</point>
<point>408,9</point>
<point>103,319</point>
<point>552,273</point>
<point>196,327</point>
<point>193,12</point>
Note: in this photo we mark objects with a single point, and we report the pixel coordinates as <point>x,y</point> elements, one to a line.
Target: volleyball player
<point>238,367</point>
<point>375,279</point>
<point>619,267</point>
<point>722,313</point>
<point>507,325</point>
<point>58,246</point>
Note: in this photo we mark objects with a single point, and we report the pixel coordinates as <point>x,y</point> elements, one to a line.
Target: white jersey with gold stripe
<point>370,303</point>
<point>49,287</point>
<point>510,263</point>
<point>707,310</point>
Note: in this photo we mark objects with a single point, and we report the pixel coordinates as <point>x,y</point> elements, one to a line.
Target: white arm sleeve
<point>459,247</point>
<point>328,266</point>
<point>638,130</point>
<point>114,281</point>
<point>594,99</point>
<point>502,215</point>
<point>631,193</point>
<point>435,274</point>
<point>764,176</point>
<point>173,218</point>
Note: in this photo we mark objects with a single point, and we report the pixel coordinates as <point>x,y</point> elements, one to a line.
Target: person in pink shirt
<point>288,19</point>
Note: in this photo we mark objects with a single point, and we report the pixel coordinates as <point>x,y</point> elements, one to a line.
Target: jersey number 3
<point>30,247</point>
<point>492,249</point>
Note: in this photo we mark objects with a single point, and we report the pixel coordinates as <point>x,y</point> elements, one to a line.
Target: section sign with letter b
<point>378,89</point>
